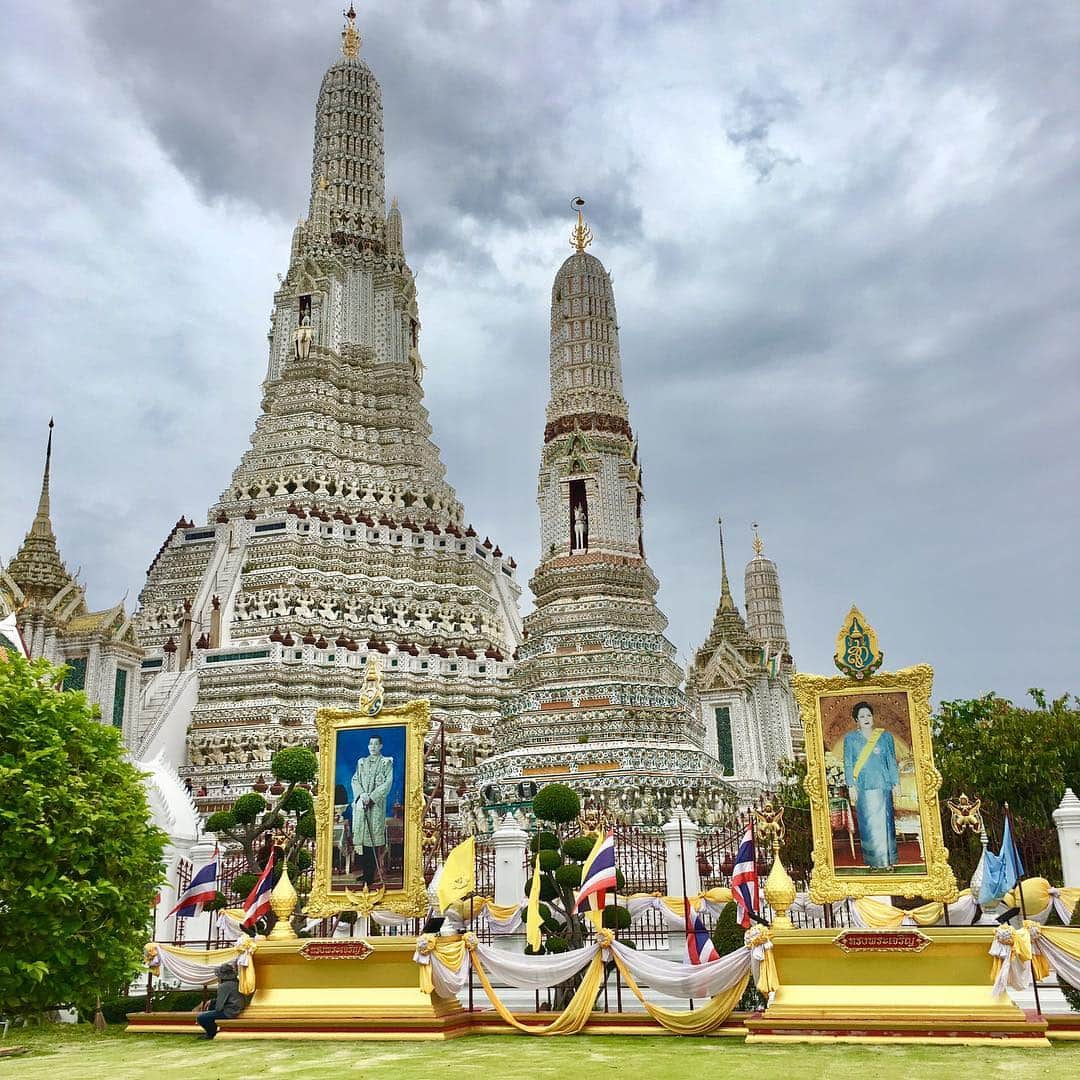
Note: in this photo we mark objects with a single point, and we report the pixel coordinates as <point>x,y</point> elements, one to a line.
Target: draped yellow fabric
<point>721,895</point>
<point>571,1020</point>
<point>458,877</point>
<point>449,951</point>
<point>501,911</point>
<point>1036,895</point>
<point>879,915</point>
<point>1065,938</point>
<point>768,978</point>
<point>1040,965</point>
<point>1070,898</point>
<point>700,1021</point>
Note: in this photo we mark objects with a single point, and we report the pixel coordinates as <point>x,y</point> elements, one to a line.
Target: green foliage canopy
<point>80,861</point>
<point>295,765</point>
<point>556,802</point>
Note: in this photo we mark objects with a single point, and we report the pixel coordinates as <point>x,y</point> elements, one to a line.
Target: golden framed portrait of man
<point>369,808</point>
<point>873,786</point>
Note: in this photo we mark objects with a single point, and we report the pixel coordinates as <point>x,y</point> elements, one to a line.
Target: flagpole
<point>1023,908</point>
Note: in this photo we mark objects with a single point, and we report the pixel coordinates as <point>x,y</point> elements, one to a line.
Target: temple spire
<point>581,237</point>
<point>350,36</point>
<point>42,524</point>
<point>727,603</point>
<point>759,547</point>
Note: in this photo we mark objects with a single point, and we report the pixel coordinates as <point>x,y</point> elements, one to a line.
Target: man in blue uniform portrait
<point>872,776</point>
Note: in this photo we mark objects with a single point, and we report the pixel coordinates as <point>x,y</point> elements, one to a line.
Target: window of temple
<point>119,697</point>
<point>724,751</point>
<point>76,677</point>
<point>579,516</point>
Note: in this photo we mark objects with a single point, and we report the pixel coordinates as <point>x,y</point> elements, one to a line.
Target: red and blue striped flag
<point>203,889</point>
<point>699,945</point>
<point>597,874</point>
<point>257,903</point>
<point>744,880</point>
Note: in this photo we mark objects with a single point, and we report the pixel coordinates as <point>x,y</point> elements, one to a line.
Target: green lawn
<point>60,1052</point>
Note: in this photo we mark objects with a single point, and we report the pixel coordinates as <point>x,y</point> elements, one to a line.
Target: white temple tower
<point>598,700</point>
<point>741,681</point>
<point>338,534</point>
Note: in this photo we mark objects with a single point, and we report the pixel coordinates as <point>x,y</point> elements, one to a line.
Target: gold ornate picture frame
<point>864,732</point>
<point>369,809</point>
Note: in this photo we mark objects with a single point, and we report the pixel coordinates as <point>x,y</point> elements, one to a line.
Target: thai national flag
<point>744,880</point>
<point>203,889</point>
<point>257,903</point>
<point>597,874</point>
<point>699,945</point>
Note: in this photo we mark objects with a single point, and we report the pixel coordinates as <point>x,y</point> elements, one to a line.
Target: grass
<point>61,1051</point>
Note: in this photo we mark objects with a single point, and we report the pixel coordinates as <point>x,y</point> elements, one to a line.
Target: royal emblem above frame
<point>369,808</point>
<point>871,778</point>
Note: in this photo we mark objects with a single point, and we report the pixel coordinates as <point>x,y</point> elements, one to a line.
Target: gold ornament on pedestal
<point>779,888</point>
<point>283,899</point>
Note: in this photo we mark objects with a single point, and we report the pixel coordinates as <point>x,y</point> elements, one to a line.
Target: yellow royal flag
<point>458,878</point>
<point>532,916</point>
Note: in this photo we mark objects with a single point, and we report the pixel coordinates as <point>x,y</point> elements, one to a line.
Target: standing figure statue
<point>371,783</point>
<point>580,523</point>
<point>872,777</point>
<point>302,336</point>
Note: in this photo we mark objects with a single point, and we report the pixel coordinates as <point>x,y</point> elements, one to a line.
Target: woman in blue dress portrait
<point>872,776</point>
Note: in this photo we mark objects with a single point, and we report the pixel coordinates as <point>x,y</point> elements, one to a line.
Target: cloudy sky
<point>844,241</point>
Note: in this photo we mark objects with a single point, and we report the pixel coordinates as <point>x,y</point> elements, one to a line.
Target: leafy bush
<point>548,891</point>
<point>80,860</point>
<point>298,801</point>
<point>558,803</point>
<point>115,1010</point>
<point>579,848</point>
<point>556,944</point>
<point>242,884</point>
<point>544,841</point>
<point>294,764</point>
<point>550,860</point>
<point>727,936</point>
<point>616,918</point>
<point>305,826</point>
<point>248,807</point>
<point>221,821</point>
<point>569,875</point>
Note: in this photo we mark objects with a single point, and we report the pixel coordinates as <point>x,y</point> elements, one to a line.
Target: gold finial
<point>581,237</point>
<point>350,36</point>
<point>371,693</point>
<point>759,547</point>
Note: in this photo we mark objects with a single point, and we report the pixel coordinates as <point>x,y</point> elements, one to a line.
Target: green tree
<point>1003,752</point>
<point>80,861</point>
<point>727,936</point>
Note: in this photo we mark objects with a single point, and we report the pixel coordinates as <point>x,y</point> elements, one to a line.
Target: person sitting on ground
<point>230,1003</point>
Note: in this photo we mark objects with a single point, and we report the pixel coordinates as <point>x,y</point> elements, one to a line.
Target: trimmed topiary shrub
<point>544,841</point>
<point>548,891</point>
<point>568,875</point>
<point>248,807</point>
<point>556,944</point>
<point>242,884</point>
<point>616,918</point>
<point>305,827</point>
<point>294,764</point>
<point>550,860</point>
<point>558,803</point>
<point>222,821</point>
<point>727,936</point>
<point>579,848</point>
<point>298,801</point>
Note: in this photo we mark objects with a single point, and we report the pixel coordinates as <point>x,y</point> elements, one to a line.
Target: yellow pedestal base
<point>941,994</point>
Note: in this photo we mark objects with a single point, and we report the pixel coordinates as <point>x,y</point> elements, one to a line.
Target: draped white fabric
<point>389,918</point>
<point>1013,973</point>
<point>533,972</point>
<point>190,971</point>
<point>806,907</point>
<point>1068,967</point>
<point>684,980</point>
<point>961,913</point>
<point>1064,912</point>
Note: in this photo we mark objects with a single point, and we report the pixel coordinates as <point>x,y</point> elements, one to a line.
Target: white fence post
<point>509,841</point>
<point>681,865</point>
<point>1067,820</point>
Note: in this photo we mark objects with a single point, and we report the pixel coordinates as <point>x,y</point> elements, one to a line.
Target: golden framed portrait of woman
<point>873,786</point>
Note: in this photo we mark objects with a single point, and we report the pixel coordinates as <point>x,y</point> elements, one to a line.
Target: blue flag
<point>1001,872</point>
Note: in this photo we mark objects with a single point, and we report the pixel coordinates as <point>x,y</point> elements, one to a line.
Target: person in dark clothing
<point>230,1003</point>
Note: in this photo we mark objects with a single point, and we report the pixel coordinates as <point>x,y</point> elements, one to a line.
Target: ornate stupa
<point>338,536</point>
<point>740,680</point>
<point>598,701</point>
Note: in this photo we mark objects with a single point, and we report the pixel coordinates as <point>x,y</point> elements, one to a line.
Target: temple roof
<point>38,569</point>
<point>727,623</point>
